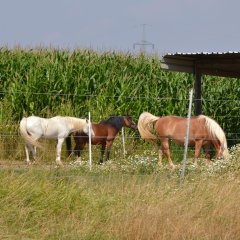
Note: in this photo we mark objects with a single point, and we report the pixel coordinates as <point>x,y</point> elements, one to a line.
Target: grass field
<point>129,197</point>
<point>118,201</point>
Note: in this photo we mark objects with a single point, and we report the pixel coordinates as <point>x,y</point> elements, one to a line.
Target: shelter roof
<point>225,64</point>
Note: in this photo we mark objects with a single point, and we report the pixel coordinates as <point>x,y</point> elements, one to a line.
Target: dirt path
<point>14,165</point>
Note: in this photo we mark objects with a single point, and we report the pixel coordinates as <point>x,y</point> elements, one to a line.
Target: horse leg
<point>102,153</point>
<point>59,149</point>
<point>77,144</point>
<point>79,159</point>
<point>207,153</point>
<point>69,145</point>
<point>109,145</point>
<point>78,153</point>
<point>30,148</point>
<point>78,148</point>
<point>198,146</point>
<point>34,153</point>
<point>166,151</point>
<point>80,143</point>
<point>27,150</point>
<point>217,149</point>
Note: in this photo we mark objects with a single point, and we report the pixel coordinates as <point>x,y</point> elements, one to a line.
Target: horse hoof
<point>173,167</point>
<point>160,165</point>
<point>59,164</point>
<point>78,163</point>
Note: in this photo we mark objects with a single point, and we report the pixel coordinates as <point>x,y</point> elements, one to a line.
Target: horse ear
<point>86,120</point>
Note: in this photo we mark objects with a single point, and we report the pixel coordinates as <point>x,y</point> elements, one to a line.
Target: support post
<point>187,134</point>
<point>123,142</point>
<point>198,92</point>
<point>90,141</point>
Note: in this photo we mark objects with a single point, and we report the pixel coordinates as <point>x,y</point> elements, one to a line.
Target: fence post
<point>123,142</point>
<point>90,141</point>
<point>187,134</point>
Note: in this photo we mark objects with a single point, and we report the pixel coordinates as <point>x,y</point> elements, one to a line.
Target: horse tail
<point>69,145</point>
<point>217,132</point>
<point>27,137</point>
<point>146,124</point>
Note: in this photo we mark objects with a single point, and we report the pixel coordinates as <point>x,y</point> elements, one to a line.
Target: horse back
<point>48,127</point>
<point>175,127</point>
<point>170,126</point>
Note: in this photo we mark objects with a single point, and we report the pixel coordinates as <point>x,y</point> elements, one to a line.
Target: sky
<point>110,25</point>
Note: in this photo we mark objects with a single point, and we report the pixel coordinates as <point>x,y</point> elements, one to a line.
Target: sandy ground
<point>14,165</point>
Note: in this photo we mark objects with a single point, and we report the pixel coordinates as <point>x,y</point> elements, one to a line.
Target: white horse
<point>33,128</point>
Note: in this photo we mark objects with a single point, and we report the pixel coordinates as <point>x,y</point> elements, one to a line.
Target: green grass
<point>42,202</point>
<point>66,204</point>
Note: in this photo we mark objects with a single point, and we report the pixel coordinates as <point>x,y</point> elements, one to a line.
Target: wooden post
<point>198,90</point>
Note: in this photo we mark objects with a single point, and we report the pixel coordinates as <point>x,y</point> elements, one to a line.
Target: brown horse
<point>105,133</point>
<point>203,132</point>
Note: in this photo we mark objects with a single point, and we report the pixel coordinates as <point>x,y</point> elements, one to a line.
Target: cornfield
<point>48,82</point>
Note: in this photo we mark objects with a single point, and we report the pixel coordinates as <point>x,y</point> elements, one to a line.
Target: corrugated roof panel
<point>226,64</point>
<point>202,53</point>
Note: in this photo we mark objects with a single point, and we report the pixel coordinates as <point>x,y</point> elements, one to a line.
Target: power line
<point>143,43</point>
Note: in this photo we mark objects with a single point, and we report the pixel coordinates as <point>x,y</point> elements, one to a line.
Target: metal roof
<point>225,64</point>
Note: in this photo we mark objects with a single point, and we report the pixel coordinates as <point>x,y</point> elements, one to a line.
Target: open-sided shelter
<point>224,64</point>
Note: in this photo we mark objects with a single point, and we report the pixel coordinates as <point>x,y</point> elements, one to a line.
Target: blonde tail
<point>146,123</point>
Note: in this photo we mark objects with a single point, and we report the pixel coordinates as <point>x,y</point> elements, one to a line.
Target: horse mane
<point>216,132</point>
<point>78,123</point>
<point>115,121</point>
<point>146,124</point>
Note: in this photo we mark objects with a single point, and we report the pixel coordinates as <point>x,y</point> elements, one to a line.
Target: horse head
<point>128,122</point>
<point>87,127</point>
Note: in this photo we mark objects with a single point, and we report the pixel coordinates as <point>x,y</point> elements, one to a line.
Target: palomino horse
<point>105,133</point>
<point>33,128</point>
<point>203,132</point>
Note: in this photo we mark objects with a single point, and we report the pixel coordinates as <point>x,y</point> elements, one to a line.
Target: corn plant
<point>49,82</point>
